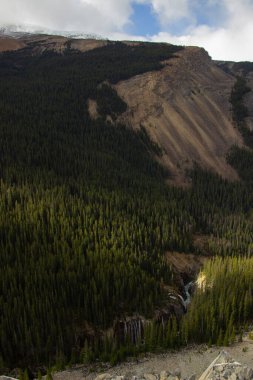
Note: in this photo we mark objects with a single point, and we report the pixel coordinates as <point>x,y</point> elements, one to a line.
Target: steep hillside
<point>93,241</point>
<point>184,106</point>
<point>8,44</point>
<point>185,109</point>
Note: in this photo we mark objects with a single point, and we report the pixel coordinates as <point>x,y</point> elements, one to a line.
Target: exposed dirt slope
<point>41,43</point>
<point>185,266</point>
<point>185,108</point>
<point>8,44</point>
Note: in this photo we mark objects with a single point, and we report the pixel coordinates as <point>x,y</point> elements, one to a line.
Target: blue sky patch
<point>210,14</point>
<point>143,21</point>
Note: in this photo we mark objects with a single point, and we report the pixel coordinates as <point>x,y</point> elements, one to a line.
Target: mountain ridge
<point>184,107</point>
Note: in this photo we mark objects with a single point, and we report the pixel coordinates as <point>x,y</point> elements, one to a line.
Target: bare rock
<point>172,377</point>
<point>247,373</point>
<point>192,377</point>
<point>164,375</point>
<point>237,369</point>
<point>233,377</point>
<point>149,376</point>
<point>177,373</point>
<point>225,368</point>
<point>227,373</point>
<point>219,368</point>
<point>103,376</point>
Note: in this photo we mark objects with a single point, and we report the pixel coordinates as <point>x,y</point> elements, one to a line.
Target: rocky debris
<point>149,376</point>
<point>179,106</point>
<point>224,367</point>
<point>7,378</point>
<point>164,375</point>
<point>104,376</point>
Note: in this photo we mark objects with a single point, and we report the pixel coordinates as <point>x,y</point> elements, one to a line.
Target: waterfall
<point>133,328</point>
<point>188,296</point>
<point>187,299</point>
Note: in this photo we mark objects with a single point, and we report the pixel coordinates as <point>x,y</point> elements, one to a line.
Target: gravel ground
<point>191,360</point>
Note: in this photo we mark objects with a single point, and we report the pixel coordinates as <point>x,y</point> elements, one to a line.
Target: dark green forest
<point>86,216</point>
<point>242,158</point>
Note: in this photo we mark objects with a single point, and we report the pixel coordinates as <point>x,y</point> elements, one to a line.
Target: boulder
<point>172,377</point>
<point>149,376</point>
<point>164,375</point>
<point>225,368</point>
<point>227,373</point>
<point>247,373</point>
<point>232,377</point>
<point>103,376</point>
<point>177,373</point>
<point>218,368</point>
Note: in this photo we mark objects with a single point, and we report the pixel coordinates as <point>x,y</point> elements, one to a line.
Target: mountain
<point>184,107</point>
<point>42,43</point>
<point>126,186</point>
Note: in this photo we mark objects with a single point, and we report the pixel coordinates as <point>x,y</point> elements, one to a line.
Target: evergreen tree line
<point>221,309</point>
<point>242,158</point>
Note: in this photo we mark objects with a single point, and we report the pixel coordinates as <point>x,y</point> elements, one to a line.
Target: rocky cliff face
<point>185,109</point>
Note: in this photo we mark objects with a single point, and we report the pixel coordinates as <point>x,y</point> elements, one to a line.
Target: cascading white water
<point>187,288</point>
<point>133,329</point>
<point>187,300</point>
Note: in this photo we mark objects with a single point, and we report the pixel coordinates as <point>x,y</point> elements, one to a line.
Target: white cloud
<point>230,40</point>
<point>91,16</point>
<point>169,10</point>
<point>233,41</point>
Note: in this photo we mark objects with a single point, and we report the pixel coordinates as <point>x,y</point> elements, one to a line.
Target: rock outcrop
<point>224,367</point>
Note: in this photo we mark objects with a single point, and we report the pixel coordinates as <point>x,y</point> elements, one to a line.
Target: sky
<point>223,27</point>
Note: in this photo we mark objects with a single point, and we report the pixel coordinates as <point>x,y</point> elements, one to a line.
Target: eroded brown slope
<point>41,43</point>
<point>9,44</point>
<point>185,108</point>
